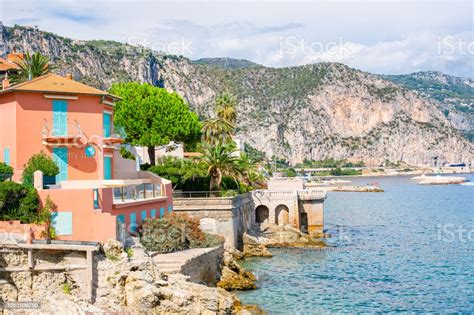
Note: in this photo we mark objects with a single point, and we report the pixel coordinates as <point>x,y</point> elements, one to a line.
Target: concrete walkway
<point>173,262</point>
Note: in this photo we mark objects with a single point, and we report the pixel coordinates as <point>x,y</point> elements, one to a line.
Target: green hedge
<point>19,202</point>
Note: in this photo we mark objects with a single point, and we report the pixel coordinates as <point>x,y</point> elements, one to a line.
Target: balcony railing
<point>130,193</point>
<point>70,134</point>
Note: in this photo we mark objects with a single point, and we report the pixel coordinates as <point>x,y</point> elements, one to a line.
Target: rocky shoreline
<point>131,281</point>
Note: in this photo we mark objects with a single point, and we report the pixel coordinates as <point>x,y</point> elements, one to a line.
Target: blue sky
<point>377,36</point>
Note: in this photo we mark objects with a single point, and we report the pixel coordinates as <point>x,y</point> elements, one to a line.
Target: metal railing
<point>73,129</point>
<point>205,194</point>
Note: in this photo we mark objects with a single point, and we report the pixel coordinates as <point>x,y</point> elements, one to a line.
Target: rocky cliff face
<point>308,112</point>
<point>453,96</point>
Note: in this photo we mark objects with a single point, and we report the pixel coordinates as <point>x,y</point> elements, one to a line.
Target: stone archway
<point>282,215</point>
<point>262,214</point>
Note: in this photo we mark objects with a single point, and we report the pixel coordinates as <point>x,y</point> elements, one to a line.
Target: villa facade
<point>96,192</point>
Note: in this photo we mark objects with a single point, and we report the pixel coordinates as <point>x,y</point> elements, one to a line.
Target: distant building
<point>172,149</point>
<point>176,150</point>
<point>8,65</point>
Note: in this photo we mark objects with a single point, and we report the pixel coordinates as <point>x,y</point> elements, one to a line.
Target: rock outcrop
<point>233,276</point>
<point>281,236</point>
<point>253,247</point>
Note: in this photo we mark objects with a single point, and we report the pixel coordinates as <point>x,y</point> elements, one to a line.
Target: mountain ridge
<point>313,111</point>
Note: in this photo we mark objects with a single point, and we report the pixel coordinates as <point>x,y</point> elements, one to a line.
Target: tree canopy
<point>152,116</point>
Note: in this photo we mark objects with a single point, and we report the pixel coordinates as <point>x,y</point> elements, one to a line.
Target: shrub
<point>18,202</point>
<point>45,216</point>
<point>39,162</point>
<point>290,172</point>
<point>6,171</point>
<point>175,232</point>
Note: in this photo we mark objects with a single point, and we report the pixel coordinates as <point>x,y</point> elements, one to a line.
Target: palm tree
<point>220,161</point>
<point>217,131</point>
<point>30,67</point>
<point>249,168</point>
<point>225,107</point>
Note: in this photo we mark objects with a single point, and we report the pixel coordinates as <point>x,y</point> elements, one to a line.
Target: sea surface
<point>409,249</point>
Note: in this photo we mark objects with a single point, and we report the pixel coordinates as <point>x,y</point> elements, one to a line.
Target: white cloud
<point>376,36</point>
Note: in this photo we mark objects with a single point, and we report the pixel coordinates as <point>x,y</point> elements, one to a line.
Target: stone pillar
<point>315,213</point>
<point>294,214</point>
<point>272,214</point>
<point>38,180</point>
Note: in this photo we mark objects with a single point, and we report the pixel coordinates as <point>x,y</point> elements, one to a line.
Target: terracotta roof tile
<point>7,65</point>
<point>54,83</point>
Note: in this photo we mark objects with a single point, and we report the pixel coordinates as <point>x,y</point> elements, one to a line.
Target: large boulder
<point>254,247</point>
<point>237,279</point>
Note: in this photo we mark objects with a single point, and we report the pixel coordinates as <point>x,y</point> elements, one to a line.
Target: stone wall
<point>227,216</point>
<point>206,267</point>
<point>231,217</point>
<point>54,271</point>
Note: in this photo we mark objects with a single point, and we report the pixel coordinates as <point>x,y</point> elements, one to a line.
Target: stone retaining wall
<point>230,217</point>
<point>206,267</point>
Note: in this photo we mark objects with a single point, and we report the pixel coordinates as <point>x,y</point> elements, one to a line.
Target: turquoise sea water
<point>410,249</point>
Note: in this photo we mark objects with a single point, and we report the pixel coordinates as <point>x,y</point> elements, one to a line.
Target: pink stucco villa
<point>97,192</point>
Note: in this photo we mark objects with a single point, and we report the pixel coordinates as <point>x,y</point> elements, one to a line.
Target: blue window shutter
<point>121,218</point>
<point>107,122</point>
<point>62,223</point>
<point>153,213</point>
<point>133,222</point>
<point>170,208</point>
<point>6,156</point>
<point>60,157</point>
<point>59,118</point>
<point>162,212</point>
<point>96,198</point>
<point>107,167</point>
<point>143,215</point>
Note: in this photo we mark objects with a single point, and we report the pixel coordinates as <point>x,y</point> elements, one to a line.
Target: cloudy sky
<point>377,36</point>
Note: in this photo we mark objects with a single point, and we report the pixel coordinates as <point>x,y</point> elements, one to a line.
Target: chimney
<point>69,76</point>
<point>5,82</point>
